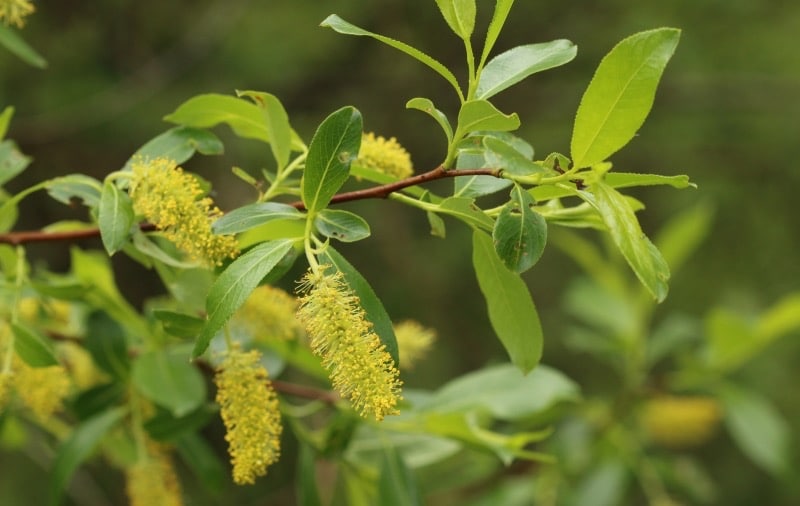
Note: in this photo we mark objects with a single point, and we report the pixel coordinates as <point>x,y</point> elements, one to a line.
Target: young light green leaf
<point>178,144</point>
<point>5,119</point>
<point>341,26</point>
<point>334,146</point>
<point>477,115</point>
<point>511,309</point>
<point>396,484</point>
<point>31,347</point>
<point>643,257</point>
<point>780,319</point>
<point>520,233</point>
<point>16,45</point>
<point>620,95</point>
<point>276,122</point>
<point>179,324</point>
<point>501,9</point>
<point>514,65</point>
<point>476,186</point>
<point>235,284</point>
<point>79,445</point>
<point>170,380</point>
<point>425,105</point>
<point>12,161</point>
<point>115,217</point>
<point>627,179</point>
<point>465,210</point>
<point>341,225</point>
<point>501,155</point>
<point>372,305</point>
<point>75,186</point>
<point>460,16</point>
<point>252,215</point>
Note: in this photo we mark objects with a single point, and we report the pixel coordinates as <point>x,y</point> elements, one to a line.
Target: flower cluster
<point>680,421</point>
<point>413,342</point>
<point>360,368</point>
<point>383,155</point>
<point>268,314</point>
<point>173,201</point>
<point>153,480</point>
<point>249,409</point>
<point>14,12</point>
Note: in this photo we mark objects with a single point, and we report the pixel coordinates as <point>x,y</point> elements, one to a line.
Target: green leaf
<point>80,444</point>
<point>14,43</point>
<point>334,146</point>
<point>105,341</point>
<point>780,319</point>
<point>31,347</point>
<point>514,65</point>
<point>501,9</point>
<point>477,115</point>
<point>520,233</point>
<point>341,225</point>
<point>12,161</point>
<point>97,399</point>
<point>167,378</point>
<point>203,461</point>
<point>643,257</point>
<point>179,324</point>
<point>341,26</point>
<point>178,144</point>
<point>115,216</point>
<point>758,429</point>
<point>511,309</point>
<point>396,483</point>
<point>235,284</point>
<point>460,16</point>
<point>681,236</point>
<point>501,155</point>
<point>465,210</point>
<point>252,215</point>
<point>620,95</point>
<point>5,119</point>
<point>426,105</point>
<point>165,426</point>
<point>627,179</point>
<point>75,186</point>
<point>372,305</point>
<point>277,123</point>
<point>307,490</point>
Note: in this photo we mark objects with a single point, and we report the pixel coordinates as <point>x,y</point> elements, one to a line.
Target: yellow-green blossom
<point>360,368</point>
<point>680,421</point>
<point>80,365</point>
<point>249,410</point>
<point>383,155</point>
<point>413,342</point>
<point>13,12</point>
<point>153,480</point>
<point>269,314</point>
<point>173,201</point>
<point>41,389</point>
<point>5,387</point>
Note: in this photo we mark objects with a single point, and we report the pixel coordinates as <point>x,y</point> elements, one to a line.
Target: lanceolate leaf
<point>15,44</point>
<point>396,485</point>
<point>373,307</point>
<point>425,105</point>
<point>334,146</point>
<point>276,122</point>
<point>115,216</point>
<point>31,347</point>
<point>168,379</point>
<point>511,67</point>
<point>620,95</point>
<point>338,24</point>
<point>465,210</point>
<point>520,233</point>
<point>511,309</point>
<point>460,16</point>
<point>179,144</point>
<point>235,284</point>
<point>482,115</point>
<point>252,215</point>
<point>501,9</point>
<point>341,225</point>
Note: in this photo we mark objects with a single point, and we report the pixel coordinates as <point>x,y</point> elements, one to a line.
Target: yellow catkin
<point>249,410</point>
<point>269,313</point>
<point>80,365</point>
<point>173,201</point>
<point>384,155</point>
<point>680,421</point>
<point>41,389</point>
<point>152,480</point>
<point>360,368</point>
<point>14,12</point>
<point>413,342</point>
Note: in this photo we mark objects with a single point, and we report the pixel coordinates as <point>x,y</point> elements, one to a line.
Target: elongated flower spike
<point>14,12</point>
<point>360,368</point>
<point>173,201</point>
<point>249,409</point>
<point>153,480</point>
<point>384,155</point>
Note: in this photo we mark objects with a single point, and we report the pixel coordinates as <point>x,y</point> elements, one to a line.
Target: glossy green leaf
<point>460,16</point>
<point>514,65</point>
<point>341,225</point>
<point>251,215</point>
<point>31,347</point>
<point>12,161</point>
<point>75,186</point>
<point>372,305</point>
<point>307,490</point>
<point>501,9</point>
<point>643,257</point>
<point>464,209</point>
<point>16,45</point>
<point>520,233</point>
<point>115,217</point>
<point>477,115</point>
<point>501,155</point>
<point>758,429</point>
<point>620,95</point>
<point>277,123</point>
<point>510,306</point>
<point>334,146</point>
<point>170,380</point>
<point>77,447</point>
<point>235,284</point>
<point>476,186</point>
<point>426,105</point>
<point>341,26</point>
<point>627,179</point>
<point>179,144</point>
<point>396,483</point>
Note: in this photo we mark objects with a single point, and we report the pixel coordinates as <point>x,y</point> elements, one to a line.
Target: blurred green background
<point>726,114</point>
